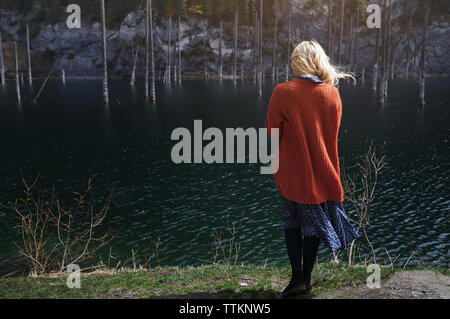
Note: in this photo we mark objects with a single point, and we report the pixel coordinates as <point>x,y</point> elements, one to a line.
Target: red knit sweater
<point>308,116</point>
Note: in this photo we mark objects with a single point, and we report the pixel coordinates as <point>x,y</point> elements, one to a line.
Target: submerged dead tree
<point>236,21</point>
<point>385,40</point>
<point>274,59</point>
<point>179,48</point>
<point>205,53</point>
<point>256,48</point>
<point>147,32</point>
<point>289,46</point>
<point>220,51</point>
<point>133,73</point>
<point>388,50</point>
<point>375,62</point>
<point>424,53</point>
<point>42,86</point>
<point>341,31</point>
<point>2,66</point>
<point>152,49</point>
<point>30,77</point>
<point>17,72</point>
<point>349,42</point>
<point>355,36</point>
<point>169,53</point>
<point>330,12</point>
<point>105,62</point>
<point>261,66</point>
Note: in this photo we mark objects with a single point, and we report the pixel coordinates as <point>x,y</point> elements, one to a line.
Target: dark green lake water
<point>71,136</point>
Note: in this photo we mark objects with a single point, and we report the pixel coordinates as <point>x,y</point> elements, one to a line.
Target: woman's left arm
<point>275,113</point>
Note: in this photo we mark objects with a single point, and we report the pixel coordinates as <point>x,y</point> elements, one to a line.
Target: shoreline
<point>195,77</point>
<point>217,281</point>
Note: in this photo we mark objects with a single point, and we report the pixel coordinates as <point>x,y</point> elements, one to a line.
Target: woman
<point>307,111</point>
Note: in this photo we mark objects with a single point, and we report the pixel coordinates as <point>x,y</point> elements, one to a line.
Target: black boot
<point>295,286</point>
<point>310,248</point>
<point>294,248</point>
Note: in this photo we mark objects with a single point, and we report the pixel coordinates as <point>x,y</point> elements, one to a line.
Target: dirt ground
<point>402,285</point>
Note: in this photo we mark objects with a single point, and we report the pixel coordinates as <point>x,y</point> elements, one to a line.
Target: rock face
<point>78,51</point>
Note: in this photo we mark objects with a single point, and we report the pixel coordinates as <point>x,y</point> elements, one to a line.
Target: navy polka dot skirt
<point>327,220</point>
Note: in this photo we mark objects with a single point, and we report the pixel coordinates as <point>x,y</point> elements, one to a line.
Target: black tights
<point>295,246</point>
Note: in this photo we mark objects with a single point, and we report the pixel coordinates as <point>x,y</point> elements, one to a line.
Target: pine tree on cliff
<point>105,66</point>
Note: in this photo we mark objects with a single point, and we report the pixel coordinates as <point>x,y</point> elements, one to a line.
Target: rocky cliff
<point>78,51</point>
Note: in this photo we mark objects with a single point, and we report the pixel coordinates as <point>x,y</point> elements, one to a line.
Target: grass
<point>211,281</point>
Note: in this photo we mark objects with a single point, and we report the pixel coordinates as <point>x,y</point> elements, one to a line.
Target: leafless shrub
<point>370,168</point>
<point>227,248</point>
<point>53,237</point>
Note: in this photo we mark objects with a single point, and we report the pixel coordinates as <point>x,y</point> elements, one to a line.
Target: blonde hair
<point>309,58</point>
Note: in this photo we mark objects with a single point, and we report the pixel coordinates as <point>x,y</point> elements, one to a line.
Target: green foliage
<point>52,11</point>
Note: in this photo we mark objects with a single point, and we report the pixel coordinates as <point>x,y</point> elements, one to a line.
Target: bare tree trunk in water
<point>42,86</point>
<point>388,49</point>
<point>63,76</point>
<point>330,9</point>
<point>349,41</point>
<point>169,53</point>
<point>133,73</point>
<point>424,52</point>
<point>341,31</point>
<point>205,58</point>
<point>375,65</point>
<point>179,49</point>
<point>2,66</point>
<point>30,77</point>
<point>152,51</point>
<point>256,48</point>
<point>408,52</point>
<point>383,73</point>
<point>355,52</point>
<point>274,60</point>
<point>220,52</point>
<point>105,62</point>
<point>17,72</point>
<point>261,43</point>
<point>147,44</point>
<point>236,21</point>
<point>289,46</point>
